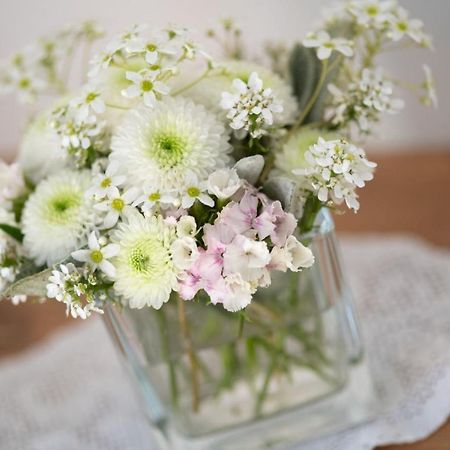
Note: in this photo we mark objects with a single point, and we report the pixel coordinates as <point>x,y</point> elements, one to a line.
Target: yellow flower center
<point>118,204</point>
<point>96,256</point>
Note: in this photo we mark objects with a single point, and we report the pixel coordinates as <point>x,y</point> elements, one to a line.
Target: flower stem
<point>192,83</point>
<point>313,98</point>
<point>195,386</point>
<point>310,211</point>
<point>162,323</point>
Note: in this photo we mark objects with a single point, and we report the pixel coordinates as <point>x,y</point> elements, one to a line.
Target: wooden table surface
<point>410,193</point>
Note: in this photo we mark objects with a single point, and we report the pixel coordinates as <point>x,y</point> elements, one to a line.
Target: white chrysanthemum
<point>40,154</point>
<point>145,273</point>
<point>57,217</point>
<point>208,92</point>
<point>160,146</point>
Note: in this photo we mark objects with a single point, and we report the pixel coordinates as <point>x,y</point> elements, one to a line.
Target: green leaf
<point>12,231</point>
<point>250,168</point>
<point>305,69</point>
<point>33,285</point>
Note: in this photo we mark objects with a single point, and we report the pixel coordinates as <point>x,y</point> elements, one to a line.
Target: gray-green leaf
<point>33,285</point>
<point>250,168</point>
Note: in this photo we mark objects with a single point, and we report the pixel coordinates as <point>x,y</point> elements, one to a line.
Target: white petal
<point>81,255</point>
<point>110,250</point>
<point>108,268</point>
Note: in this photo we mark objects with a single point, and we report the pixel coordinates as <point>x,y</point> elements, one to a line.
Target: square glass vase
<point>292,369</point>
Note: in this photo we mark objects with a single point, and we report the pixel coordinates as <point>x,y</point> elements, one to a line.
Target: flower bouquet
<point>187,199</point>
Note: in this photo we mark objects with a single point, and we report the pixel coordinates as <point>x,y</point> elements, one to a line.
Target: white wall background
<point>21,21</point>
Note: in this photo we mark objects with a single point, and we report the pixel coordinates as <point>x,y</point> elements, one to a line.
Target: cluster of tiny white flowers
<point>335,169</point>
<point>363,101</point>
<point>250,107</point>
<point>73,286</point>
<point>387,17</point>
<point>36,69</point>
<point>325,44</point>
<point>160,52</point>
<point>81,134</point>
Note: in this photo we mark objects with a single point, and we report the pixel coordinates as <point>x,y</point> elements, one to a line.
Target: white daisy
<point>401,25</point>
<point>105,184</point>
<point>57,217</point>
<point>194,190</point>
<point>146,85</point>
<point>325,44</point>
<point>145,273</point>
<point>208,92</point>
<point>151,198</point>
<point>160,146</point>
<point>116,205</point>
<point>97,254</point>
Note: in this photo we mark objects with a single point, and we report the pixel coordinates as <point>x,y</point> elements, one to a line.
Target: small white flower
<point>98,254</point>
<point>293,256</point>
<point>145,85</point>
<point>78,133</point>
<point>250,107</point>
<point>26,82</point>
<point>153,198</point>
<point>90,101</point>
<point>184,252</point>
<point>116,205</point>
<point>106,184</point>
<point>12,184</point>
<point>186,227</point>
<point>224,183</point>
<point>401,25</point>
<point>194,190</point>
<point>239,293</point>
<point>325,45</point>
<point>67,285</point>
<point>56,288</point>
<point>154,47</point>
<point>363,101</point>
<point>246,257</point>
<point>372,13</point>
<point>17,299</point>
<point>334,170</point>
<point>430,97</point>
<point>208,92</point>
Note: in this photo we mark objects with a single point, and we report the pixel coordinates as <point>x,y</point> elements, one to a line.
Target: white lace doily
<point>71,392</point>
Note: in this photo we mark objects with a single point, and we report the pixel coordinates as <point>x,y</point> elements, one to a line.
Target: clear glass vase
<point>293,368</point>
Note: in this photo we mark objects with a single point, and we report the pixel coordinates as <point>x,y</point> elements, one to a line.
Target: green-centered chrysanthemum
<point>57,217</point>
<point>145,274</point>
<point>209,91</point>
<point>160,146</point>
